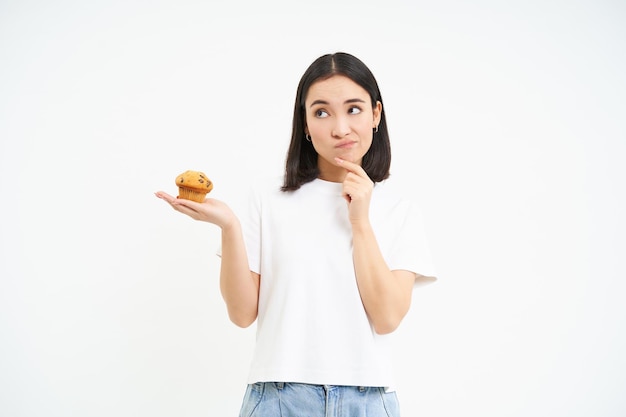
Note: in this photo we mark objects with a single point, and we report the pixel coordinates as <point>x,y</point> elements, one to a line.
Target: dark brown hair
<point>301,163</point>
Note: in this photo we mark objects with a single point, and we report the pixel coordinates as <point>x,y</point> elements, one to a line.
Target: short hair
<point>301,162</point>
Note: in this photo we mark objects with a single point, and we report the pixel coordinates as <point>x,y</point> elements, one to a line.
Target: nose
<point>341,127</point>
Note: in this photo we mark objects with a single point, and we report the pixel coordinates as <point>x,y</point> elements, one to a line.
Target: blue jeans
<point>282,399</point>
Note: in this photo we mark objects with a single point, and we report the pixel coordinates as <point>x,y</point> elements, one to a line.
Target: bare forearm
<point>386,295</point>
<point>239,286</point>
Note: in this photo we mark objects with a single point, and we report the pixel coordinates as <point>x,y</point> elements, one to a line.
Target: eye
<point>354,110</point>
<point>321,113</point>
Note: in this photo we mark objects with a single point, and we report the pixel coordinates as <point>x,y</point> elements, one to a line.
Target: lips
<point>345,144</point>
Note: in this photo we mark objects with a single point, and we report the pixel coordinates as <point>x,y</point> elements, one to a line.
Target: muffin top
<point>194,180</point>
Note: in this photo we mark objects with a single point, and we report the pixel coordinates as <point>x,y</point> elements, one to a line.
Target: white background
<point>507,118</point>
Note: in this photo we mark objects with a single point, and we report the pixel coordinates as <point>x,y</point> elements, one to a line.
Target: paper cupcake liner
<point>192,195</point>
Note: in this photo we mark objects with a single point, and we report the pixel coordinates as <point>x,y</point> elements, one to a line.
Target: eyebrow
<point>352,100</point>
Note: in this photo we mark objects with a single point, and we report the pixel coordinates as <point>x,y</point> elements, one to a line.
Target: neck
<point>332,173</point>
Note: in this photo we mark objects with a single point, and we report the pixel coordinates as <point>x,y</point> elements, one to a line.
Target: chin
<point>351,157</point>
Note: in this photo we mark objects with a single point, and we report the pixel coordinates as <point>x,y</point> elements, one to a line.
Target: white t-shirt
<point>311,325</point>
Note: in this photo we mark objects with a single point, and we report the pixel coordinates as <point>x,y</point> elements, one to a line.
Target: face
<point>340,119</point>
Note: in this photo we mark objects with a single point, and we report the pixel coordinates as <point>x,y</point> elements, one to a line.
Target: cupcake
<point>193,185</point>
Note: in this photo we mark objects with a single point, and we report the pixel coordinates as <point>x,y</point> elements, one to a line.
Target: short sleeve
<point>251,228</point>
<point>411,249</point>
<point>250,219</point>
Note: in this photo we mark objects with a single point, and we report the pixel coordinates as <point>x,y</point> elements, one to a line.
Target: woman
<point>326,261</point>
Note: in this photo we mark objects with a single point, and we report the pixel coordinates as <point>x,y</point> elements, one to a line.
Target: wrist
<point>231,225</point>
<point>361,225</point>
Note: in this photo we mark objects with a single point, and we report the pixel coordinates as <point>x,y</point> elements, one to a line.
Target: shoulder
<point>396,196</point>
<point>393,191</point>
<point>264,189</point>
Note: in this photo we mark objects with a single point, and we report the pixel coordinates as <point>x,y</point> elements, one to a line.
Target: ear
<point>377,111</point>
